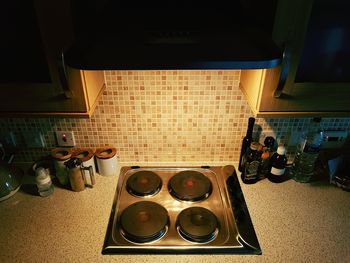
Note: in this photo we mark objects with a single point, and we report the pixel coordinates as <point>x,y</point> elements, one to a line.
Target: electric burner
<point>197,224</point>
<point>144,183</point>
<point>143,222</point>
<point>201,210</point>
<point>190,186</point>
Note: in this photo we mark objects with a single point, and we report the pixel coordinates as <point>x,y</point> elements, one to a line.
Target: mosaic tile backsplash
<point>165,116</point>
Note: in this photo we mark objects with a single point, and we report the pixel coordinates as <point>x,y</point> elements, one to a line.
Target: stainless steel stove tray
<point>236,234</point>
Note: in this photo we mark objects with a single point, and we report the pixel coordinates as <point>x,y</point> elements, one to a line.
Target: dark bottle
<point>269,143</point>
<point>278,161</point>
<point>252,159</point>
<point>264,165</point>
<point>246,142</point>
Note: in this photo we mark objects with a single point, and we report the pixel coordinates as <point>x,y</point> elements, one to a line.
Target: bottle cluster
<point>264,161</point>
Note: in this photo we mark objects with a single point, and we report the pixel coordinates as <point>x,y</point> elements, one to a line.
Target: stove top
<point>179,210</point>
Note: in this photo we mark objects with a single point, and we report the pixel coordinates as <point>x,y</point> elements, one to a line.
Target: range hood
<point>183,35</point>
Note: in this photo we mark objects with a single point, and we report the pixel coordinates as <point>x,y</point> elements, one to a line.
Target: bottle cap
<point>265,155</point>
<point>251,121</point>
<point>269,141</point>
<point>281,150</point>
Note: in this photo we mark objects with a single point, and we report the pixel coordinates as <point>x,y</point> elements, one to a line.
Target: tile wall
<point>165,116</point>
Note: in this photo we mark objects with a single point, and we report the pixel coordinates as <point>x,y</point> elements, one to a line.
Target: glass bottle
<point>252,159</point>
<point>246,142</point>
<point>278,163</point>
<point>266,154</point>
<point>264,165</point>
<point>303,166</point>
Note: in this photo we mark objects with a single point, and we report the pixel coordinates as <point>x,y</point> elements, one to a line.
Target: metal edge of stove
<point>108,236</point>
<point>246,233</point>
<point>247,236</point>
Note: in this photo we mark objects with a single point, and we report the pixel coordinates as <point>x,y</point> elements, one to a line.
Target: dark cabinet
<point>34,78</point>
<point>314,78</point>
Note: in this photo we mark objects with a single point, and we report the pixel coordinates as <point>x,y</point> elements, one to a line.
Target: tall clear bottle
<point>303,166</point>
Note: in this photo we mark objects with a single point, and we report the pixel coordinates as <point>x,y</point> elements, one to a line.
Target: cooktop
<point>179,210</point>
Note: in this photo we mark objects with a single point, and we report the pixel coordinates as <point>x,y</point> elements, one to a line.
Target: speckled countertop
<point>294,223</point>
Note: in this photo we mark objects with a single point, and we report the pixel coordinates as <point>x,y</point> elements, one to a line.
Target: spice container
<point>61,156</point>
<point>107,162</point>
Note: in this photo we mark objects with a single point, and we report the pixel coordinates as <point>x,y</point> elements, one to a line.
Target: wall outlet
<point>334,139</point>
<point>65,138</point>
<point>34,139</point>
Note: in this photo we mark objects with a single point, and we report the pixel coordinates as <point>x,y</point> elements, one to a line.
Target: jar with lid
<point>61,156</point>
<point>278,162</point>
<point>252,159</point>
<point>43,182</point>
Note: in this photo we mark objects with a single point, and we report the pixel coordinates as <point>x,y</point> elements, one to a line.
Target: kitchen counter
<point>294,222</point>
